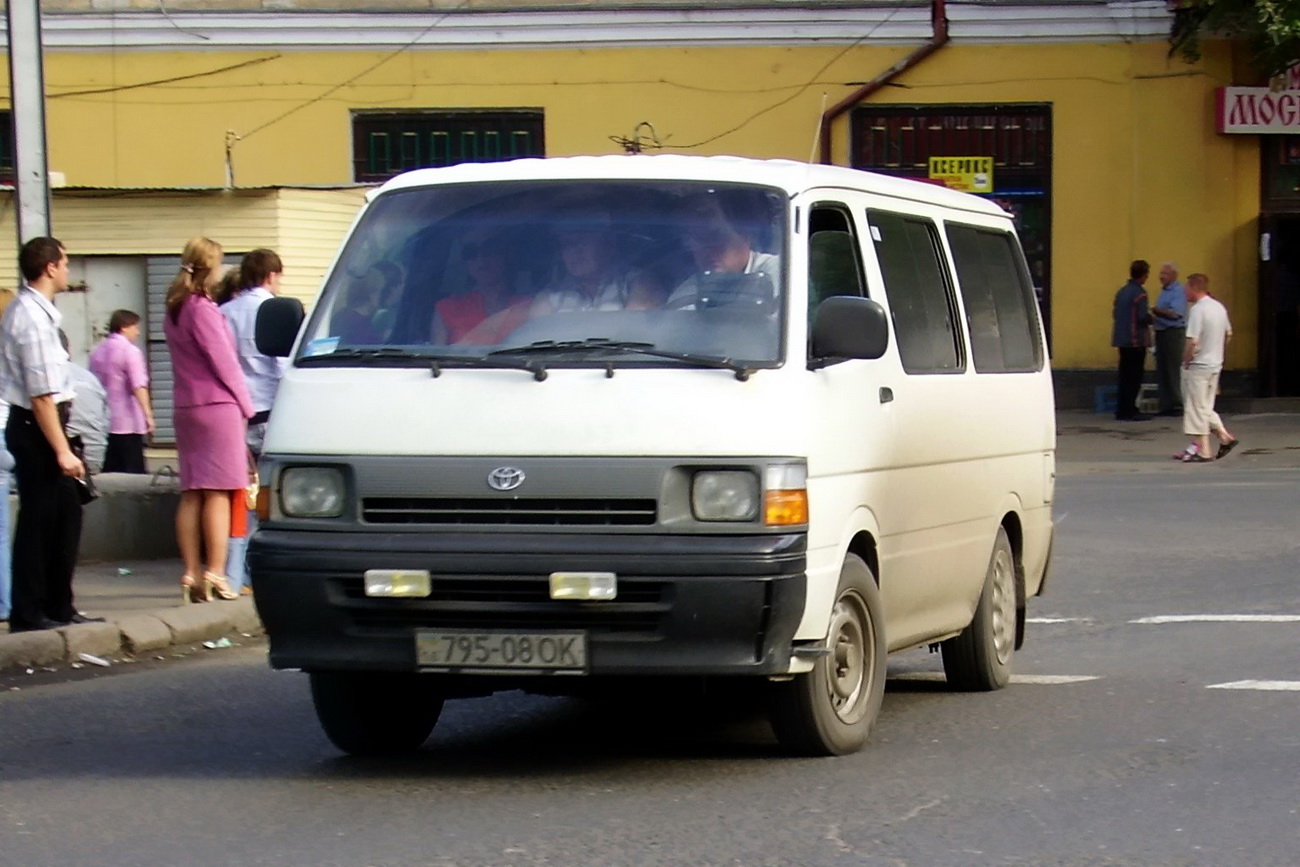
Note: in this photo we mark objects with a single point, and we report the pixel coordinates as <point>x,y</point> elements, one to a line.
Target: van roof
<point>788,175</point>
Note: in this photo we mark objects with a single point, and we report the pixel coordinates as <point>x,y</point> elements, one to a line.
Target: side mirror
<point>848,326</point>
<point>278,321</point>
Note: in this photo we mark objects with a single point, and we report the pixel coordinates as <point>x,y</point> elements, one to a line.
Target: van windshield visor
<point>589,273</point>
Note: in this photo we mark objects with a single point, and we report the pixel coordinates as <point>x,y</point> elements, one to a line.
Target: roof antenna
<point>639,141</point>
<point>817,131</point>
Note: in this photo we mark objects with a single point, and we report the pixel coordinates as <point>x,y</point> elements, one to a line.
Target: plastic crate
<point>1148,399</point>
<point>1104,398</point>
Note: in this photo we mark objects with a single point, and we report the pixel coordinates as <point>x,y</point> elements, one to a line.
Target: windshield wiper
<point>635,347</point>
<point>376,352</point>
<point>436,360</point>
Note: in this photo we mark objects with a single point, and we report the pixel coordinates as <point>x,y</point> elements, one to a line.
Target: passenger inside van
<point>722,246</point>
<point>492,308</point>
<point>354,323</point>
<point>590,275</point>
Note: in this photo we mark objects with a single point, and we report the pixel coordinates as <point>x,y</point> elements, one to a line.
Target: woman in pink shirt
<point>119,365</point>
<point>211,412</point>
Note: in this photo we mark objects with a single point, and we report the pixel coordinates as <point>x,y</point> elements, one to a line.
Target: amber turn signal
<point>785,508</point>
<point>263,504</point>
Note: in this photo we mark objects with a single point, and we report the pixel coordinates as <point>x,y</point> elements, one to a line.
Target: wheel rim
<point>1004,606</point>
<point>849,667</point>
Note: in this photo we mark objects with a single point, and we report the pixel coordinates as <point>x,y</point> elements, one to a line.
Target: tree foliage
<point>1269,28</point>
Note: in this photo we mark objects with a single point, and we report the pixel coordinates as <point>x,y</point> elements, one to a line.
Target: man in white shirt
<point>34,382</point>
<point>88,421</point>
<point>1208,332</point>
<point>723,251</point>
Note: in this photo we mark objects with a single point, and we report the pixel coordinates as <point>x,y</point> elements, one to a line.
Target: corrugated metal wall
<point>159,272</point>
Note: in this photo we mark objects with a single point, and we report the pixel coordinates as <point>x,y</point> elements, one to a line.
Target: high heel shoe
<point>194,591</point>
<point>219,586</point>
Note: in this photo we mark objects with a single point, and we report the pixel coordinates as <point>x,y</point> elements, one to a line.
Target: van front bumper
<point>686,604</point>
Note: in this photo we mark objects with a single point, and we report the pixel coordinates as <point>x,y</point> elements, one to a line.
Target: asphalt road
<point>1124,740</point>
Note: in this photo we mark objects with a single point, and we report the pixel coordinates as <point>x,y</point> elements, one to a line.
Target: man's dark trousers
<point>48,531</point>
<point>1132,362</point>
<point>1169,367</point>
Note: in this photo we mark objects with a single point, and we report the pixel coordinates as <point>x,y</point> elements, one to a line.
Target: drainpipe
<point>939,28</point>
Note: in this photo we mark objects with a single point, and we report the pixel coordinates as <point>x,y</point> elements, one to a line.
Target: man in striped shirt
<point>34,381</point>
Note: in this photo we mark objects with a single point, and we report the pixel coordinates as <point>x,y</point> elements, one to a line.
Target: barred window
<point>387,143</point>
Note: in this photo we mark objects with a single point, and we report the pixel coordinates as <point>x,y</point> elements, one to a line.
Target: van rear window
<point>1001,312</point>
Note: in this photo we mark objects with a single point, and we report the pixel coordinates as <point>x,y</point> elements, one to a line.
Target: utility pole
<point>27,98</point>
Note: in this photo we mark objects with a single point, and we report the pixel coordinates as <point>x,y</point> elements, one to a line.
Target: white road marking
<point>1039,679</point>
<point>1056,619</point>
<point>1052,679</point>
<point>1219,618</point>
<point>1266,685</point>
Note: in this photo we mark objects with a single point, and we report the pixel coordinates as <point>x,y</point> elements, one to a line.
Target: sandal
<point>193,591</point>
<point>218,586</point>
<point>1224,448</point>
<point>1196,459</point>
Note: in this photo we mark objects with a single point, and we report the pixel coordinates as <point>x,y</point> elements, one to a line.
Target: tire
<point>830,710</point>
<point>979,659</point>
<point>374,714</point>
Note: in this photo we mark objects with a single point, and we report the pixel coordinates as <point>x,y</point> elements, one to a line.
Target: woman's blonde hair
<point>199,273</point>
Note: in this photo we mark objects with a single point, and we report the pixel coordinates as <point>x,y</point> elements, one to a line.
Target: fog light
<point>397,582</point>
<point>589,586</point>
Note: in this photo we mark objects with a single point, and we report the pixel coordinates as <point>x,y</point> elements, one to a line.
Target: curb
<point>129,634</point>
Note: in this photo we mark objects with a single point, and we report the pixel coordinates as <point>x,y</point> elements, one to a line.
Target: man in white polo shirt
<point>34,382</point>
<point>1208,331</point>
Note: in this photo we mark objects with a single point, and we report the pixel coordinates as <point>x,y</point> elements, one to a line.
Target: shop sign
<point>1258,110</point>
<point>968,174</point>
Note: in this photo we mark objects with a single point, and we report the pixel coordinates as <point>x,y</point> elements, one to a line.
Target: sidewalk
<point>1088,443</point>
<point>142,602</point>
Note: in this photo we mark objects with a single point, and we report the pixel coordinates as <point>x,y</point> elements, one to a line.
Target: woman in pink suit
<point>211,411</point>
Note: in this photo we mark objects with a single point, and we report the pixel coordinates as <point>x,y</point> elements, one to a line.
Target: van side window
<point>834,264</point>
<point>999,300</point>
<point>920,297</point>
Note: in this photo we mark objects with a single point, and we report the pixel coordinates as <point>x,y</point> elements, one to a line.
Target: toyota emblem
<point>505,478</point>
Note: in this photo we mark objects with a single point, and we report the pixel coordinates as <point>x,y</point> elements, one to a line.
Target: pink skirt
<point>210,446</point>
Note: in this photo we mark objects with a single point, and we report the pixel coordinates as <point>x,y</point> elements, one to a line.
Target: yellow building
<point>1105,147</point>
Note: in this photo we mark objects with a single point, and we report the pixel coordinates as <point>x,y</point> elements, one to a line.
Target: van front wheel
<point>374,713</point>
<point>830,710</point>
<point>979,659</point>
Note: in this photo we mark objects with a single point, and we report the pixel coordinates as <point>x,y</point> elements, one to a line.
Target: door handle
<point>886,394</point>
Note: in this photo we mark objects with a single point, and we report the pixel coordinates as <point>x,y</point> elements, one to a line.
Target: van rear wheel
<point>979,659</point>
<point>830,710</point>
<point>374,713</point>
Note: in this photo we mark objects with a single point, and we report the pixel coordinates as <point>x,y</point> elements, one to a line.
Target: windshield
<point>562,273</point>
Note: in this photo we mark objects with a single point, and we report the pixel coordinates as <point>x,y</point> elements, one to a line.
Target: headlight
<point>724,495</point>
<point>312,492</point>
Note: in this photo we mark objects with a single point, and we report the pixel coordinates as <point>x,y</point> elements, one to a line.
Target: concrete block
<point>97,639</point>
<point>192,623</point>
<point>43,647</point>
<point>133,519</point>
<point>143,632</point>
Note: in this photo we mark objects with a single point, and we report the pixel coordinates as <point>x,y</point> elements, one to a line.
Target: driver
<point>719,243</point>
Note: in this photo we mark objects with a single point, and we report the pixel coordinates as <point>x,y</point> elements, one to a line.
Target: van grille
<point>516,511</point>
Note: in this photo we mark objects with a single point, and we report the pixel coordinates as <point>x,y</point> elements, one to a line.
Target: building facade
<point>1105,147</point>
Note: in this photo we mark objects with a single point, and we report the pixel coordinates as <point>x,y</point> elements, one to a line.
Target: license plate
<point>507,652</point>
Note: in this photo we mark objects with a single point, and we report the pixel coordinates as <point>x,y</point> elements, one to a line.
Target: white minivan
<point>557,425</point>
